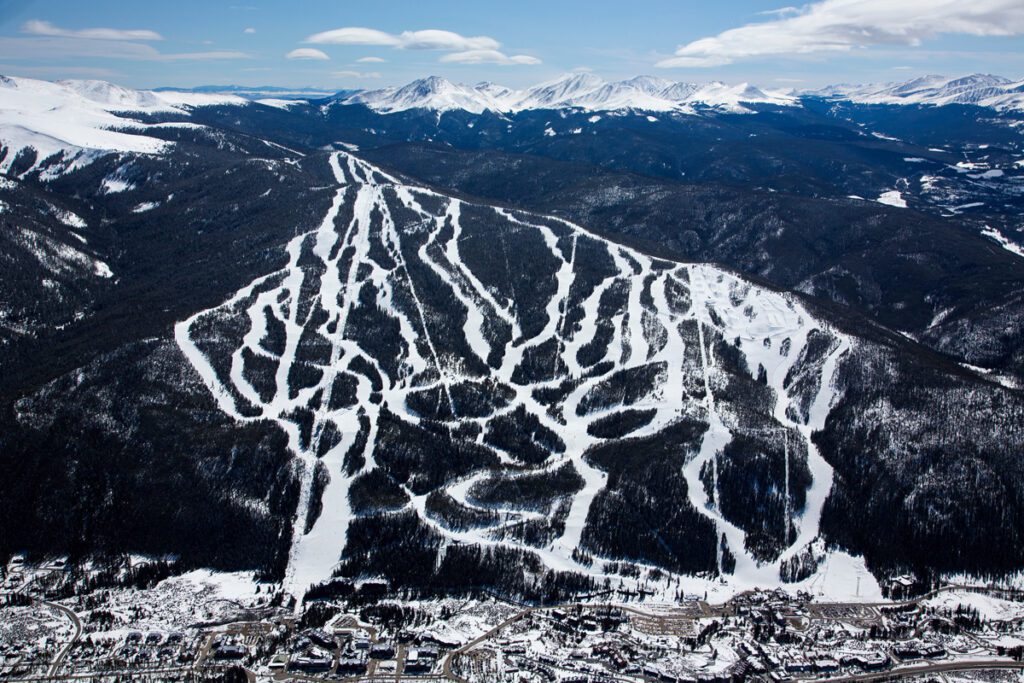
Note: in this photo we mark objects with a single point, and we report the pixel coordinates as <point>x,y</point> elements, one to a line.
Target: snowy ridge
<point>573,91</point>
<point>430,93</point>
<point>983,90</point>
<point>75,121</point>
<point>369,256</point>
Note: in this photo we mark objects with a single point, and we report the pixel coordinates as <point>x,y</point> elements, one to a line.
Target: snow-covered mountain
<point>66,124</point>
<point>648,93</point>
<point>594,343</point>
<point>430,93</point>
<point>70,122</point>
<point>578,90</point>
<point>979,89</point>
<point>561,92</point>
<point>487,378</point>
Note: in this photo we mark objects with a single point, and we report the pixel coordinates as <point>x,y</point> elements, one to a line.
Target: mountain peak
<point>649,84</point>
<point>562,89</point>
<point>428,85</point>
<point>432,92</point>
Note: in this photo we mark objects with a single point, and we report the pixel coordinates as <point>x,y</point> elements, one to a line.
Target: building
<point>230,651</point>
<point>382,651</point>
<point>310,663</point>
<point>351,665</point>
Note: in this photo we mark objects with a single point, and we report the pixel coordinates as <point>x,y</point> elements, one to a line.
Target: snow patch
<point>72,220</point>
<point>1002,240</point>
<point>892,198</point>
<point>987,175</point>
<point>113,185</point>
<point>279,104</point>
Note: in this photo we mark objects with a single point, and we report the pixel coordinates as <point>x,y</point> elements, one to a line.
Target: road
<point>944,667</point>
<point>132,673</point>
<point>62,655</point>
<point>447,666</point>
<point>76,622</point>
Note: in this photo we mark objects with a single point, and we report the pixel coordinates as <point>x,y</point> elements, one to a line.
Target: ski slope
<point>389,249</point>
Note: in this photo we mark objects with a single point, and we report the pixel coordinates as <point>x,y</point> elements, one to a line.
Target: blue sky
<point>344,44</point>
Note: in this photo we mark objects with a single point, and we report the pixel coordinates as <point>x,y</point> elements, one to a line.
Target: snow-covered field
<point>893,198</point>
<point>989,607</point>
<point>180,602</point>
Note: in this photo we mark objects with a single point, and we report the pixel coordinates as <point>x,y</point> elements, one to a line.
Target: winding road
<point>76,622</point>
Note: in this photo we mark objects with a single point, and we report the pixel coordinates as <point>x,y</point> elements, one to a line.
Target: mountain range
<point>587,91</point>
<point>978,89</point>
<point>532,342</point>
<point>573,91</point>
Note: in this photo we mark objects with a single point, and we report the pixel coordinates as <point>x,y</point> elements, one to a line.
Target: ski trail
<point>562,309</point>
<point>763,332</point>
<point>586,334</point>
<point>330,287</point>
<point>715,439</point>
<point>473,329</point>
<point>821,471</point>
<point>455,258</point>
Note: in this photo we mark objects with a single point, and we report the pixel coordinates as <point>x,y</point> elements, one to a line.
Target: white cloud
<point>488,57</point>
<point>844,25</point>
<point>371,60</point>
<point>37,27</point>
<point>354,36</point>
<point>780,12</point>
<point>46,48</point>
<point>250,29</point>
<point>431,39</point>
<point>357,74</point>
<point>463,49</point>
<point>48,72</point>
<point>50,48</point>
<point>307,53</point>
<point>202,56</point>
